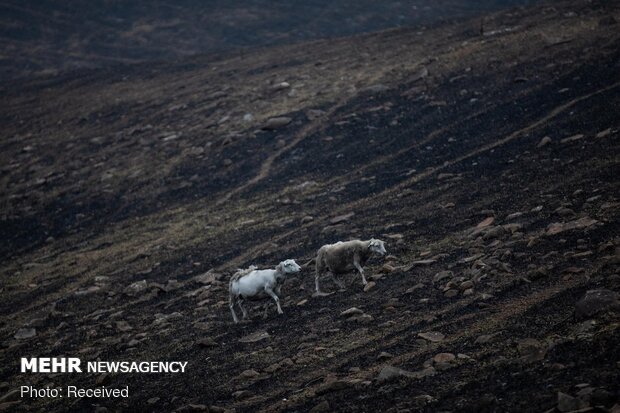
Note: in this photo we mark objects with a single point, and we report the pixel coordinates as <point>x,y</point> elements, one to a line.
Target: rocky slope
<point>488,162</point>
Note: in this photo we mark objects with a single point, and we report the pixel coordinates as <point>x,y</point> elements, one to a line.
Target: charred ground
<point>156,173</point>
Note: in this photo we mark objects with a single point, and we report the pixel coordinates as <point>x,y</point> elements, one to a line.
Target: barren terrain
<point>488,162</point>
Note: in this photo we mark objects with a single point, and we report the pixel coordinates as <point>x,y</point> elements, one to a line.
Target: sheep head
<point>377,246</point>
<point>289,267</point>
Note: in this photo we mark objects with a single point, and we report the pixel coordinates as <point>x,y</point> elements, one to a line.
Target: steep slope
<point>433,140</point>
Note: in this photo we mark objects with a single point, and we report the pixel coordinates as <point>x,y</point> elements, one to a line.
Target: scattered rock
<point>468,292</point>
<point>568,403</point>
<point>451,293</point>
<point>341,218</point>
<point>433,336</point>
<point>136,288</point>
<point>241,394</point>
<point>376,88</point>
<point>123,326</point>
<point>351,312</point>
<point>277,122</point>
<point>287,362</point>
<point>389,373</point>
<point>495,232</point>
<point>486,222</point>
<point>485,338</point>
<point>596,301</point>
<point>280,86</point>
<point>418,286</point>
<point>544,142</point>
<point>25,333</point>
<point>580,223</point>
<point>206,342</point>
<point>249,374</point>
<point>466,285</point>
<point>253,338</point>
<point>444,358</point>
<point>384,356</point>
<point>442,275</point>
<point>387,268</point>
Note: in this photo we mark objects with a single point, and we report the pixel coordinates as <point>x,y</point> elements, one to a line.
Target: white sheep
<point>342,257</point>
<point>255,284</point>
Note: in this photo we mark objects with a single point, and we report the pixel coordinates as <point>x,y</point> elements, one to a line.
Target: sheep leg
<point>339,282</point>
<point>318,292</point>
<point>245,313</point>
<point>275,298</point>
<point>361,271</point>
<point>231,304</point>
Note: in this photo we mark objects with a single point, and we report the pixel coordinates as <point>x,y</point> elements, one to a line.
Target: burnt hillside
<point>488,162</point>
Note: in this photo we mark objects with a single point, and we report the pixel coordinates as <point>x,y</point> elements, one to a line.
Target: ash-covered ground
<point>488,160</point>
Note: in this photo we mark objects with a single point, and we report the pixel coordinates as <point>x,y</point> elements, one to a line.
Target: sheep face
<point>290,267</point>
<point>377,246</point>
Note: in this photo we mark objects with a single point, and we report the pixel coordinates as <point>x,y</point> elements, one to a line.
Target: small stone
<point>451,293</point>
<point>389,373</point>
<point>384,356</point>
<point>604,133</point>
<point>418,286</point>
<point>369,286</point>
<point>544,142</point>
<point>444,358</point>
<point>249,374</point>
<point>433,336</point>
<point>302,302</point>
<point>351,311</point>
<point>136,288</point>
<point>468,292</point>
<point>277,122</point>
<point>341,218</point>
<point>466,284</point>
<point>485,338</point>
<point>387,268</point>
<point>123,326</point>
<point>206,342</point>
<point>25,333</point>
<point>442,275</point>
<point>486,222</point>
<point>495,232</point>
<point>280,86</point>
<point>241,394</point>
<point>255,337</point>
<point>568,403</point>
<point>580,223</point>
